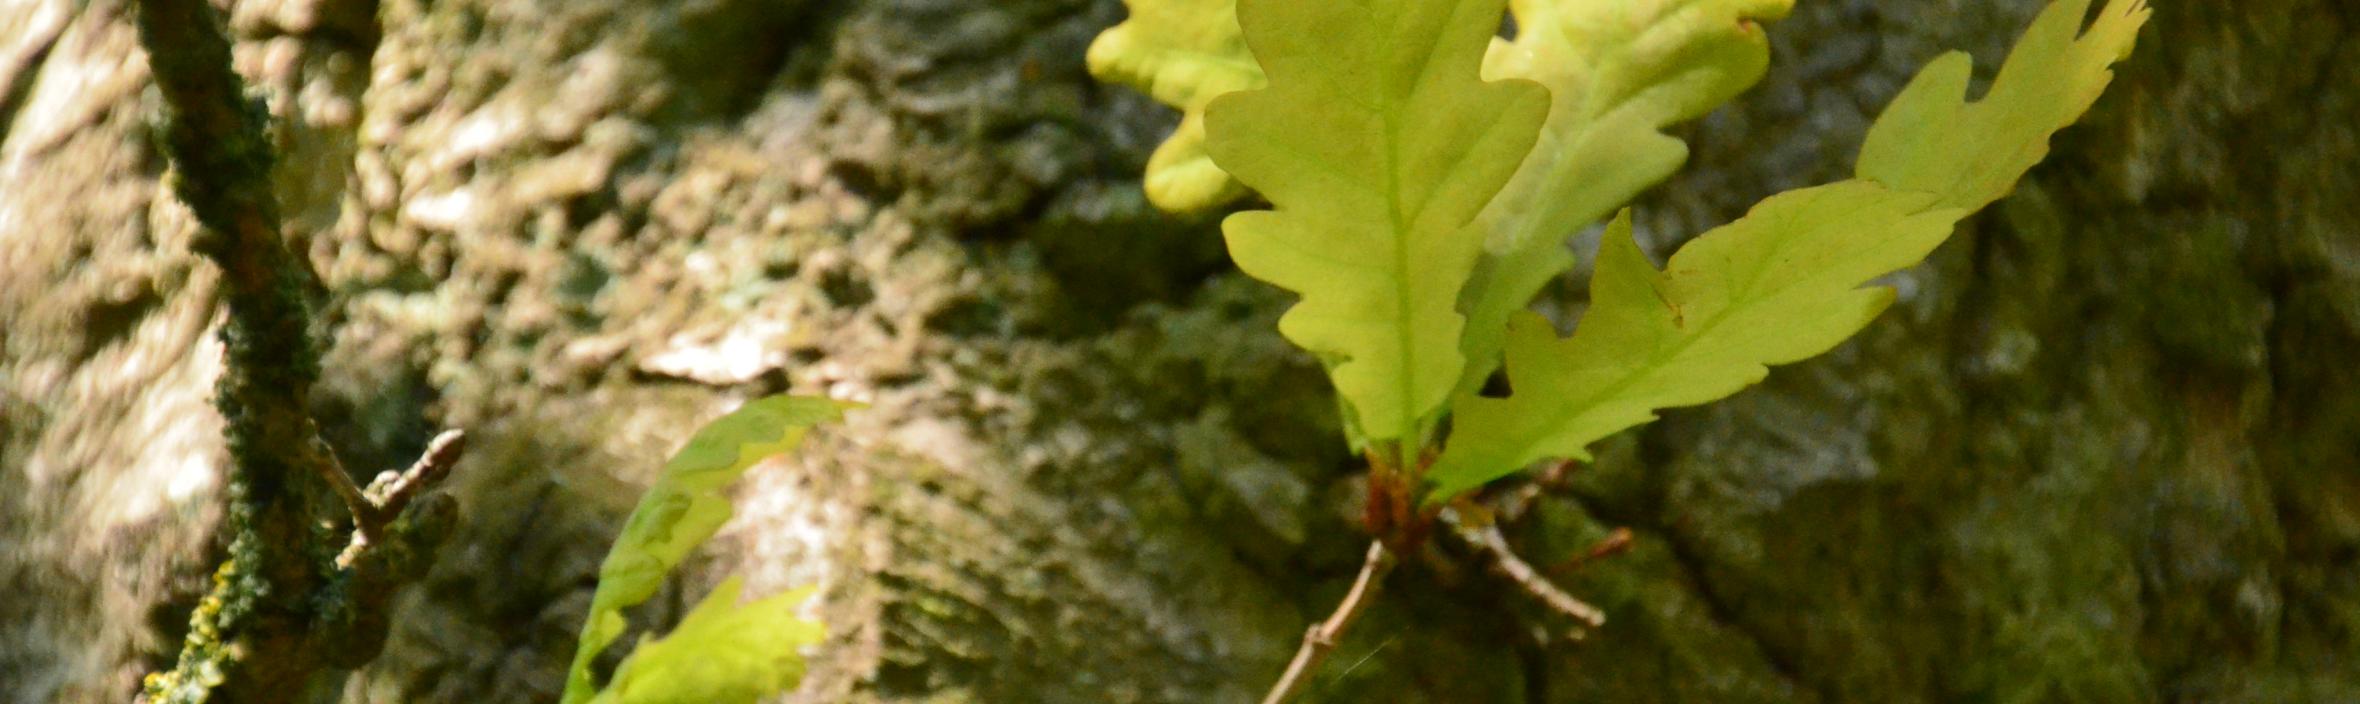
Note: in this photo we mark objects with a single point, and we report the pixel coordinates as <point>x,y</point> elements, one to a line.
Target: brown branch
<point>1616,542</point>
<point>1321,639</point>
<point>1487,539</point>
<point>391,492</point>
<point>1550,479</point>
<point>366,521</point>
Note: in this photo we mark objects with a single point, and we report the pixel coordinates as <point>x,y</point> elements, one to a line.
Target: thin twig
<point>391,492</point>
<point>1553,478</point>
<point>382,502</point>
<point>1487,538</point>
<point>366,519</point>
<point>1617,542</point>
<point>1321,639</point>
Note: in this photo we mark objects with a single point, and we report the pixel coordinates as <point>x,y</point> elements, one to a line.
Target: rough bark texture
<point>2107,448</point>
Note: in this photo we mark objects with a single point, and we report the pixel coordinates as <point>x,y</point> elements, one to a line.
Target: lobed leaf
<point>1377,145</point>
<point>1618,73</point>
<point>1183,53</point>
<point>1932,139</point>
<point>682,509</point>
<point>1777,286</point>
<point>1784,282</point>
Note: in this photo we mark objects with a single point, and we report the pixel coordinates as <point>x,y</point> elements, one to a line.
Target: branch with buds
<point>281,617</point>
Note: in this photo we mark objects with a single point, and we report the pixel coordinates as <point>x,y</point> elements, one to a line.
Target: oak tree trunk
<point>2106,448</point>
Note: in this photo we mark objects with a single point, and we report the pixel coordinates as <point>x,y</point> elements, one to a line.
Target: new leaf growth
<point>1418,208</point>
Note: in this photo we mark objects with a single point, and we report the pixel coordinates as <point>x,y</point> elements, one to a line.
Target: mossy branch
<point>295,601</point>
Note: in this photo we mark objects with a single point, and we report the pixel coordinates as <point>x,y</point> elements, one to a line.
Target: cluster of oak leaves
<point>1423,175</point>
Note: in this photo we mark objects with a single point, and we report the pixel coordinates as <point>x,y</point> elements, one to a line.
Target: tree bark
<point>2102,450</point>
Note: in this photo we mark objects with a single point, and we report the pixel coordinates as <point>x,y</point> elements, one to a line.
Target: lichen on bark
<point>296,600</point>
